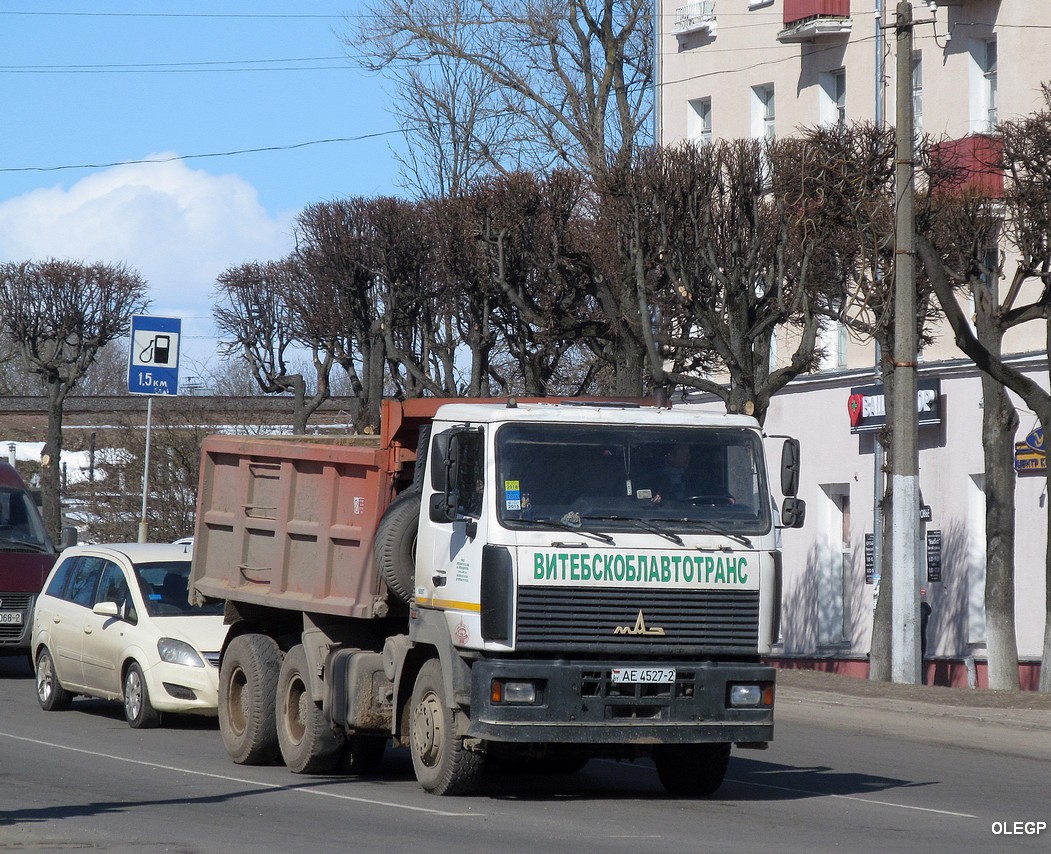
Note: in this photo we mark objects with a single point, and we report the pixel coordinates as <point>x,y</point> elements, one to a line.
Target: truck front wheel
<point>691,770</point>
<point>308,744</point>
<point>442,764</point>
<point>247,699</point>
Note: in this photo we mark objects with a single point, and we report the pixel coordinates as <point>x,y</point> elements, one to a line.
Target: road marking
<point>852,798</point>
<point>295,788</point>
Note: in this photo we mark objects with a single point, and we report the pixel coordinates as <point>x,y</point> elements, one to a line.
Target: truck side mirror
<point>442,509</point>
<point>790,468</point>
<point>69,537</point>
<point>793,512</point>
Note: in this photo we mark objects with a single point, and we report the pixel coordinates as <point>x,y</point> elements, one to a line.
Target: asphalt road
<point>847,772</point>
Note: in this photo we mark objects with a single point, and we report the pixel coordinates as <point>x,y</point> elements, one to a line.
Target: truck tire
<point>442,764</point>
<point>396,544</point>
<point>691,770</point>
<point>247,699</point>
<point>309,745</point>
<point>362,754</point>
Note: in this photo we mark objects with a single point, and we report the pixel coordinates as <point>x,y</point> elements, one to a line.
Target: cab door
<point>451,541</point>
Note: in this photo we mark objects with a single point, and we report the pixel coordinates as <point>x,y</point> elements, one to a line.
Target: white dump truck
<point>535,582</point>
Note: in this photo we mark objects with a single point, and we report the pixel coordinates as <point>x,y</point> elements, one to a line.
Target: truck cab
<point>26,556</point>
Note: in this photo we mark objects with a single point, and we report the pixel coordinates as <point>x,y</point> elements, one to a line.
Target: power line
<point>179,157</point>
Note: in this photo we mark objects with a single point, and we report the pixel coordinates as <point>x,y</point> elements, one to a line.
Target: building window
<point>984,85</point>
<point>699,121</point>
<point>834,98</point>
<point>989,72</point>
<point>917,94</point>
<point>836,563</point>
<point>763,112</point>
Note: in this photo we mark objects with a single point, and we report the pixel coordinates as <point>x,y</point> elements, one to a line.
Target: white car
<point>115,621</point>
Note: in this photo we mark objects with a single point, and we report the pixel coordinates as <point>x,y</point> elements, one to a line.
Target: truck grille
<point>15,602</point>
<point>584,620</point>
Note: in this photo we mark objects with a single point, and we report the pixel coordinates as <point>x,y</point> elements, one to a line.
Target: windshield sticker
<point>655,570</point>
<point>512,495</point>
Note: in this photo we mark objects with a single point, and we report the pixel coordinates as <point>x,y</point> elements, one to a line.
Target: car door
<point>105,635</point>
<point>69,617</point>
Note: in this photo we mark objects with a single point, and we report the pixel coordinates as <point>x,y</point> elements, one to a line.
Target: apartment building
<point>767,68</point>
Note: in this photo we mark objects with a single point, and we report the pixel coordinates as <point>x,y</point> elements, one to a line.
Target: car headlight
<point>178,652</point>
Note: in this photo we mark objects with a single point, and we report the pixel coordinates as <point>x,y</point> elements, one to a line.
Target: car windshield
<point>21,528</point>
<point>165,590</point>
<point>690,480</point>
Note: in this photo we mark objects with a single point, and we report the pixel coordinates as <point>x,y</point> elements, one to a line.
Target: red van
<point>26,557</point>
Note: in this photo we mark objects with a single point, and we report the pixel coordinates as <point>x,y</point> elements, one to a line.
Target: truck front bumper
<point>578,702</point>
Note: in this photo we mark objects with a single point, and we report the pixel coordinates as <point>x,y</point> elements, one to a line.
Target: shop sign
<point>868,410</point>
<point>1031,455</point>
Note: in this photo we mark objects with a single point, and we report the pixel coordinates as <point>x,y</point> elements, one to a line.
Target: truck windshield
<point>688,480</point>
<point>21,528</point>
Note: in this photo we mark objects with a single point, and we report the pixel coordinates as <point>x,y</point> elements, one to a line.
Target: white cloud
<point>178,227</point>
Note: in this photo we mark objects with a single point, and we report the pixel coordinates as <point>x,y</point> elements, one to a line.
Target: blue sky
<point>89,90</point>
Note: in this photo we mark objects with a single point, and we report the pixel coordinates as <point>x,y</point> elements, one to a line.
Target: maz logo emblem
<point>639,628</point>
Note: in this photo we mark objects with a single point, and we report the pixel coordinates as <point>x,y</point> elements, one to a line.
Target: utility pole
<point>905,611</point>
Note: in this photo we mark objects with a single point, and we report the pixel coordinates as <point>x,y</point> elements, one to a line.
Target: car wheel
<point>309,745</point>
<point>137,706</point>
<point>248,699</point>
<point>49,691</point>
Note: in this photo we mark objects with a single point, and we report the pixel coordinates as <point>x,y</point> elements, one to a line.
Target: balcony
<point>811,20</point>
<point>695,18</point>
<point>974,165</point>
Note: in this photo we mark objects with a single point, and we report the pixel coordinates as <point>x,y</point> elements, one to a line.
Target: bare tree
<point>1027,201</point>
<point>255,311</point>
<point>570,80</point>
<point>336,246</point>
<point>721,251</point>
<point>62,313</point>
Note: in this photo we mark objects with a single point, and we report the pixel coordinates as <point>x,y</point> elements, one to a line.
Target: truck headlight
<point>751,696</point>
<point>178,652</point>
<point>513,693</point>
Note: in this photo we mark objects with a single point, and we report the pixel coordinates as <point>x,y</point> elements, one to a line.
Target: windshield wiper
<point>564,525</point>
<point>645,525</point>
<point>722,532</point>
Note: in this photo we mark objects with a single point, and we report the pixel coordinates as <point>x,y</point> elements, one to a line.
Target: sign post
<point>153,368</point>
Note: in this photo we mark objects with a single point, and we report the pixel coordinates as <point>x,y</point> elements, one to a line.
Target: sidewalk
<point>1013,722</point>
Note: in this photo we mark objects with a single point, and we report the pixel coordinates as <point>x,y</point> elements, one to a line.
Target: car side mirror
<point>106,609</point>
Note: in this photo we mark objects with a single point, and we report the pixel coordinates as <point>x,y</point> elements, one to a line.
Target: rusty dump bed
<point>288,521</point>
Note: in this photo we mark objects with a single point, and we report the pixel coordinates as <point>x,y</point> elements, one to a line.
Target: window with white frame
<point>833,108</point>
<point>763,115</point>
<point>989,74</point>
<point>699,121</point>
<point>917,94</point>
<point>984,85</point>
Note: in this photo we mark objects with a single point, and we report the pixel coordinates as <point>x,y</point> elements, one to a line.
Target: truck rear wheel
<point>442,764</point>
<point>396,544</point>
<point>247,699</point>
<point>691,770</point>
<point>308,744</point>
